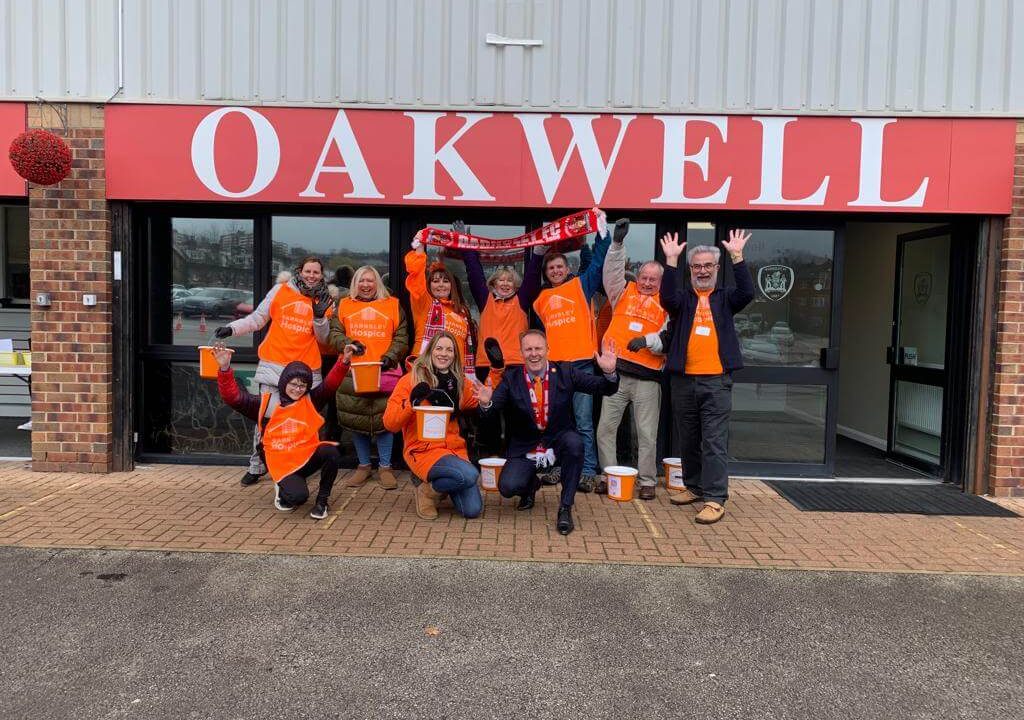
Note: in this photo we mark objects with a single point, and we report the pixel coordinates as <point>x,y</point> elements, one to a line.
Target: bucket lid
<point>492,462</point>
<point>620,470</point>
<point>672,461</point>
<point>433,408</point>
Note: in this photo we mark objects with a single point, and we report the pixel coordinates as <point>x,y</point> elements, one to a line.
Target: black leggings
<point>293,488</point>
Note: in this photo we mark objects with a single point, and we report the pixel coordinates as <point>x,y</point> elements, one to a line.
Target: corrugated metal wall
<point>962,57</point>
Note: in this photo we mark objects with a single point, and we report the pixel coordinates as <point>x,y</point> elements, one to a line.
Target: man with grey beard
<point>702,355</point>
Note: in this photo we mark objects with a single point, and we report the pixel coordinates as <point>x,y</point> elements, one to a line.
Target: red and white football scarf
<point>566,228</point>
<point>539,404</point>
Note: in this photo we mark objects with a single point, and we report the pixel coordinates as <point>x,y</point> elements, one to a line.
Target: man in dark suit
<point>541,424</point>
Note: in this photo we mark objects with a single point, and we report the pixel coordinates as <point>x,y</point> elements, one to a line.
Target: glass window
<point>14,252</point>
<point>917,430</point>
<point>211,266</point>
<point>789,320</point>
<point>778,423</point>
<point>924,286</point>
<point>343,243</point>
<point>184,413</point>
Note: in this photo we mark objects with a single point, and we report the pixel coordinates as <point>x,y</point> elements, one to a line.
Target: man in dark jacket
<point>542,426</point>
<point>703,353</point>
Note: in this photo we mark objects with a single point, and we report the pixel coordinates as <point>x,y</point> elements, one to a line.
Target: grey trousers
<point>645,395</point>
<point>701,407</point>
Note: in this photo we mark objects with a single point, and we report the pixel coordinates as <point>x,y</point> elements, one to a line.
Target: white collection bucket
<point>432,422</point>
<point>621,480</point>
<point>490,472</point>
<point>673,474</point>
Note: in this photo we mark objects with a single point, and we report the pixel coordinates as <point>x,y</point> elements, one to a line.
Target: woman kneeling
<point>290,433</point>
<point>442,466</point>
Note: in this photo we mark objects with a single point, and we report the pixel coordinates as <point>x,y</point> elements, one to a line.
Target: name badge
<point>703,330</point>
<point>636,327</point>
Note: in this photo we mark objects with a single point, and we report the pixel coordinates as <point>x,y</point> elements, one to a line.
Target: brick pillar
<point>1006,451</point>
<point>70,256</point>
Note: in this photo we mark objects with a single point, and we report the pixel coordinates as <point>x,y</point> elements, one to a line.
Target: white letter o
<point>268,152</point>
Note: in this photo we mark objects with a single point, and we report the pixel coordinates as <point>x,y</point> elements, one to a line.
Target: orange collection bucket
<point>490,472</point>
<point>208,366</point>
<point>366,377</point>
<point>432,422</point>
<point>621,480</point>
<point>673,474</point>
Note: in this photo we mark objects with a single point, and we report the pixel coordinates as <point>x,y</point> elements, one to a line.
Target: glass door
<point>917,357</point>
<point>784,399</point>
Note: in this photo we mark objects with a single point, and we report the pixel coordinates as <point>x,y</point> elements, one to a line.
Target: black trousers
<point>701,406</point>
<point>519,476</point>
<point>293,488</point>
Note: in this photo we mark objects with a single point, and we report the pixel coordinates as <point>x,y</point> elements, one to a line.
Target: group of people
<point>523,391</point>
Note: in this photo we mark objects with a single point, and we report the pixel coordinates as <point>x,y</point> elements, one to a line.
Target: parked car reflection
<point>211,301</point>
<point>761,351</point>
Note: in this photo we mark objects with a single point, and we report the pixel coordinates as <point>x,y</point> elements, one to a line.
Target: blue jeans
<point>385,441</point>
<point>457,478</point>
<point>583,409</point>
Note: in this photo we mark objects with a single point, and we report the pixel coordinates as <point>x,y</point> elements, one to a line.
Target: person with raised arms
<point>289,432</point>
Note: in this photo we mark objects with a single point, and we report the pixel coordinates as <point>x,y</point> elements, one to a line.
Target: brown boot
<point>359,476</point>
<point>426,501</point>
<point>387,478</point>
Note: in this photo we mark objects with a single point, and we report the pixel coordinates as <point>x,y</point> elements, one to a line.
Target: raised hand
<point>321,303</point>
<point>223,356</point>
<point>607,359</point>
<point>602,221</point>
<point>736,242</point>
<point>459,227</point>
<point>482,393</point>
<point>621,230</point>
<point>672,248</point>
<point>223,332</point>
<point>417,242</point>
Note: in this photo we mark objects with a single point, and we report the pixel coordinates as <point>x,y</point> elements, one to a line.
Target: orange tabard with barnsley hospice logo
<point>290,336</point>
<point>568,321</point>
<point>372,323</point>
<point>502,320</point>
<point>291,435</point>
<point>637,314</point>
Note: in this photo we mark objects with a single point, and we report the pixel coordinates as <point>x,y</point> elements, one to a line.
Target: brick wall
<point>70,255</point>
<point>1006,452</point>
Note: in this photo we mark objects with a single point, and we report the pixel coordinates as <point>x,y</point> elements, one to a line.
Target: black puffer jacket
<point>365,413</point>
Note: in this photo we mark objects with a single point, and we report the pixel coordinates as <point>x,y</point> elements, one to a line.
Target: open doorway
<point>896,291</point>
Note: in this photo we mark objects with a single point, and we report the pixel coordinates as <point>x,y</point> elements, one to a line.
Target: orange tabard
<point>291,436</point>
<point>568,321</point>
<point>502,320</point>
<point>702,349</point>
<point>372,323</point>
<point>290,336</point>
<point>420,301</point>
<point>637,314</point>
<point>604,320</point>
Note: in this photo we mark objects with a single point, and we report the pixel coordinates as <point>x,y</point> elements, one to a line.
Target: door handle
<point>828,358</point>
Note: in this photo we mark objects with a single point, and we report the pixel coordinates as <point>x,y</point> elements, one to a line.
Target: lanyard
<point>540,405</point>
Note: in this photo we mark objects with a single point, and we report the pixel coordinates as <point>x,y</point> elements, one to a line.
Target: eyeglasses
<point>704,266</point>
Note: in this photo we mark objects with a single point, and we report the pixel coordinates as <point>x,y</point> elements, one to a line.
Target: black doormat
<point>885,498</point>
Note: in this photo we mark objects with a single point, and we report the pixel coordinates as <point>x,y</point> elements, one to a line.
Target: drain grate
<point>885,498</point>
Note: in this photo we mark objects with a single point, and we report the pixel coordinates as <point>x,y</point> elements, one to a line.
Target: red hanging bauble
<point>40,157</point>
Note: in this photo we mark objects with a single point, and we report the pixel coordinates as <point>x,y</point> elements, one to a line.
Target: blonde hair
<point>382,289</point>
<point>502,272</point>
<point>423,368</point>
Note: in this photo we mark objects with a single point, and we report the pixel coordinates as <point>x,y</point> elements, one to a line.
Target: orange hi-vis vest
<point>603,322</point>
<point>290,336</point>
<point>568,321</point>
<point>291,435</point>
<point>372,323</point>
<point>421,301</point>
<point>637,314</point>
<point>502,320</point>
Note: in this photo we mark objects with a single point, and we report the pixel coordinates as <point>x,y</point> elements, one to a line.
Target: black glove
<point>459,227</point>
<point>637,344</point>
<point>358,348</point>
<point>439,398</point>
<point>419,393</point>
<point>222,332</point>
<point>321,302</point>
<point>494,354</point>
<point>386,363</point>
<point>621,228</point>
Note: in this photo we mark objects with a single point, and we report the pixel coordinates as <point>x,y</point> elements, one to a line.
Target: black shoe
<point>319,511</point>
<point>565,525</point>
<point>601,485</point>
<point>279,503</point>
<point>526,502</point>
<point>250,479</point>
<point>586,484</point>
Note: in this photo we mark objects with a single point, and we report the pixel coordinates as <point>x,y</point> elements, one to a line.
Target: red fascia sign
<point>12,124</point>
<point>621,161</point>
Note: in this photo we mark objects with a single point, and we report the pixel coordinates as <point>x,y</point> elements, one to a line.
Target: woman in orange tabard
<point>371,316</point>
<point>437,304</point>
<point>442,467</point>
<point>290,432</point>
